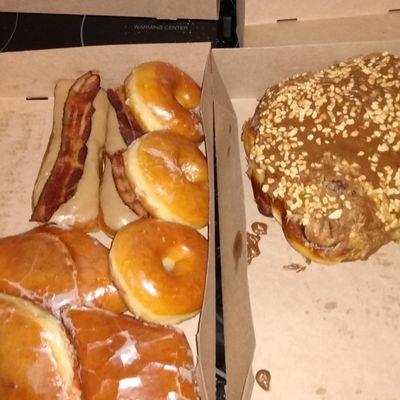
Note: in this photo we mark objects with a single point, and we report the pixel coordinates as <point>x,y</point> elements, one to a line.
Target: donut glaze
<point>57,267</point>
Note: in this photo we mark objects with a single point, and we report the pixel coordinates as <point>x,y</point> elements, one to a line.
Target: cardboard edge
<point>363,28</point>
<point>240,21</point>
<point>117,8</point>
<point>312,10</point>
<point>206,335</point>
<point>239,349</point>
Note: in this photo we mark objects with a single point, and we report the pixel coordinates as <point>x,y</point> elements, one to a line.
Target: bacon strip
<point>68,168</point>
<point>128,127</point>
<point>122,185</point>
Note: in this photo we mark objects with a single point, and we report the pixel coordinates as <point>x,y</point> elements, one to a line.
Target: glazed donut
<point>160,96</point>
<point>37,360</point>
<point>121,357</point>
<point>170,178</point>
<point>160,269</point>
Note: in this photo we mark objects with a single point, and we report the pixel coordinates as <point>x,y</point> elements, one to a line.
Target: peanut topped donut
<point>160,96</point>
<point>324,157</point>
<point>160,269</point>
<point>170,177</point>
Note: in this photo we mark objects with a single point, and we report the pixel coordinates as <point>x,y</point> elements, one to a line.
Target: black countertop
<point>20,31</point>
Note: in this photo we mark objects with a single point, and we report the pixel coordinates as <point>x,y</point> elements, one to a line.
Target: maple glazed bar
<point>323,151</point>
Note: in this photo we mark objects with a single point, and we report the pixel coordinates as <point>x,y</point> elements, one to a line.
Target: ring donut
<point>170,178</point>
<point>161,96</point>
<point>160,269</point>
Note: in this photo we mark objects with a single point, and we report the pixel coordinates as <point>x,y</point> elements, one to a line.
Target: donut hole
<point>175,258</point>
<point>168,264</point>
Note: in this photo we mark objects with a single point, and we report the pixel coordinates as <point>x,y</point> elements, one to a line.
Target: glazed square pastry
<point>123,358</point>
<point>323,152</point>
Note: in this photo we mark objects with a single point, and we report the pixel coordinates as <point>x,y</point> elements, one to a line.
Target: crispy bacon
<point>128,127</point>
<point>68,168</point>
<point>122,185</point>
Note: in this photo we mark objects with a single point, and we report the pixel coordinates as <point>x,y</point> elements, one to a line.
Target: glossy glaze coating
<point>38,267</point>
<point>123,358</point>
<point>94,283</point>
<point>36,358</point>
<point>170,177</point>
<point>160,268</point>
<point>56,267</point>
<point>161,96</point>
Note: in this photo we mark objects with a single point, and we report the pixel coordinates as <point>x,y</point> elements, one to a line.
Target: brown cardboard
<point>26,107</point>
<point>312,21</point>
<point>161,9</point>
<point>324,333</point>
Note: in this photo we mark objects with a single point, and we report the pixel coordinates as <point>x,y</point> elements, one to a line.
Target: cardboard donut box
<point>26,116</point>
<point>160,9</point>
<point>328,332</point>
<point>324,333</point>
<point>26,112</point>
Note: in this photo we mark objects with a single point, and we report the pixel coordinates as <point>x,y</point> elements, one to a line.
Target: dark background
<point>20,31</point>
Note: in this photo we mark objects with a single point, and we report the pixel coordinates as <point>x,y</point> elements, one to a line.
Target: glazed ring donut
<point>160,269</point>
<point>160,96</point>
<point>170,177</point>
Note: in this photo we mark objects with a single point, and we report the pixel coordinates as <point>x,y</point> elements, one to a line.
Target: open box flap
<point>290,22</point>
<point>34,73</point>
<point>160,9</point>
<point>26,115</point>
<point>239,335</point>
